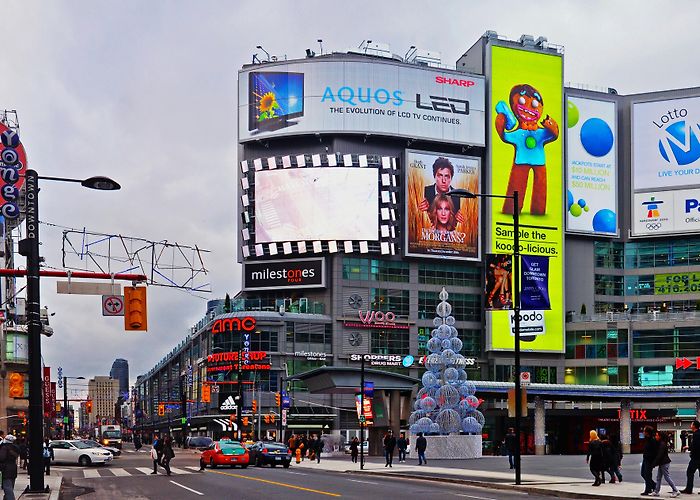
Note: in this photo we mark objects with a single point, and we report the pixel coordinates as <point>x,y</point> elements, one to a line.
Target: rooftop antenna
<point>320,43</point>
<point>408,51</point>
<point>266,52</point>
<point>367,45</point>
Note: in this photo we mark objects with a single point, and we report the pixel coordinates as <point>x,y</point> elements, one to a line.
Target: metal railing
<point>574,317</point>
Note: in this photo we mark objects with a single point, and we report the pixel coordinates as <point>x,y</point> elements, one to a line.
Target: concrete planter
<point>449,447</point>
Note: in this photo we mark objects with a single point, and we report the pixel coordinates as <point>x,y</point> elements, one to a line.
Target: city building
<point>120,372</point>
<point>103,392</point>
<point>346,236</point>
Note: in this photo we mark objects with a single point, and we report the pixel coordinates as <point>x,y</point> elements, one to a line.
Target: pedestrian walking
<point>663,462</point>
<point>137,442</point>
<point>312,447</point>
<point>594,458</point>
<point>651,448</point>
<point>319,449</point>
<point>616,449</point>
<point>23,452</point>
<point>421,446</point>
<point>354,449</point>
<point>607,460</point>
<point>402,445</point>
<point>47,455</point>
<point>511,444</point>
<point>389,445</point>
<point>694,463</point>
<point>684,439</point>
<point>156,453</point>
<point>168,454</point>
<point>9,452</point>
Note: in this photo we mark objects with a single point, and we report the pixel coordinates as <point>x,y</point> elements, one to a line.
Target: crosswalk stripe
<point>117,471</point>
<point>91,473</point>
<point>192,467</point>
<point>179,471</point>
<point>145,470</point>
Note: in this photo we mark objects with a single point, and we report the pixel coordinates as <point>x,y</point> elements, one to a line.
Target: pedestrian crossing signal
<point>161,409</point>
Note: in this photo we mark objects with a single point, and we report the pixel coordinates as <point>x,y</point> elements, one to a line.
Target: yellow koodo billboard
<point>526,155</point>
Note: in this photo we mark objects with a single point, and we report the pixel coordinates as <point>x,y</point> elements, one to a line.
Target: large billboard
<point>361,97</point>
<point>591,166</point>
<point>526,155</point>
<point>666,212</point>
<point>311,204</point>
<point>666,144</point>
<point>439,225</point>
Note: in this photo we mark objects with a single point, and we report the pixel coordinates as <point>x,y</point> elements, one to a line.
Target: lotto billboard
<point>591,166</point>
<point>438,225</point>
<point>526,154</point>
<point>360,97</point>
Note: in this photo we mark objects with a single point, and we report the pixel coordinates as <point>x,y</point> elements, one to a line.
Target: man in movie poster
<point>440,225</point>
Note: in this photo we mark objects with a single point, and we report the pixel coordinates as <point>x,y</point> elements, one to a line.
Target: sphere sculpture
<point>446,403</point>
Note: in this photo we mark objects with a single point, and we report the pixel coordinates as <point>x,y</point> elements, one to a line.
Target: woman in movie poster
<point>440,224</point>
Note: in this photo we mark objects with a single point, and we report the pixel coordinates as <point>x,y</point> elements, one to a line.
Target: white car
<point>76,451</point>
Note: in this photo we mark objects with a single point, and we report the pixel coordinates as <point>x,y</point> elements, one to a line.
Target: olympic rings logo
<point>653,226</point>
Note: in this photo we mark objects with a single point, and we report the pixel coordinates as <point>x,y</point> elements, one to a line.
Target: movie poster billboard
<point>526,154</point>
<point>499,281</point>
<point>591,158</point>
<point>439,225</point>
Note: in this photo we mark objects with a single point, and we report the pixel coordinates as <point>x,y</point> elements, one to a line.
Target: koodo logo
<point>681,137</point>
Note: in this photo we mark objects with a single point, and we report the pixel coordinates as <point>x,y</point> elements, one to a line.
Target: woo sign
<point>376,319</point>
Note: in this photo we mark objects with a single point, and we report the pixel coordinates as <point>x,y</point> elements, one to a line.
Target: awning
<point>346,380</point>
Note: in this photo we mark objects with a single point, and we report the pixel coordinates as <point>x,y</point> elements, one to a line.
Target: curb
<point>492,486</point>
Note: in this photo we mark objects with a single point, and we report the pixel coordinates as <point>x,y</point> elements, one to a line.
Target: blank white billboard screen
<point>308,204</point>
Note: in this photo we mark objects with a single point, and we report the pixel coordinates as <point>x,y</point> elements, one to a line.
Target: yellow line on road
<point>276,483</point>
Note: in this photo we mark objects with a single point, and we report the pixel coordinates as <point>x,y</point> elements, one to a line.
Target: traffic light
<point>206,394</point>
<point>278,398</point>
<point>135,313</point>
<point>272,419</point>
<point>267,419</point>
<point>245,421</point>
<point>255,406</point>
<point>88,406</point>
<point>16,385</point>
<point>161,409</point>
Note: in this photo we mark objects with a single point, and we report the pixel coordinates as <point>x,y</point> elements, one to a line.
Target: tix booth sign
<point>246,324</point>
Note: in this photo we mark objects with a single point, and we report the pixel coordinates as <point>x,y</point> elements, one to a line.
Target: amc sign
<point>246,324</point>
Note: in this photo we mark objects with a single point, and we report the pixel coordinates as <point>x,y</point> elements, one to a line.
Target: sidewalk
<point>484,472</point>
<point>53,482</point>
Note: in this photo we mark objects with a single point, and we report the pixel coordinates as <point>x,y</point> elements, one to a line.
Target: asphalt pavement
<point>129,477</point>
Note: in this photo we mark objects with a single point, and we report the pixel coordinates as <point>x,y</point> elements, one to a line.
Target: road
<point>129,477</point>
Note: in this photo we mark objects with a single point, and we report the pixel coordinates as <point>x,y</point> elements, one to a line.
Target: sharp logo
<point>457,82</point>
<point>229,404</point>
<point>443,104</point>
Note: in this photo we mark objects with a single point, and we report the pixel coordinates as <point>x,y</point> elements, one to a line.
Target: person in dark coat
<point>694,464</point>
<point>354,449</point>
<point>594,458</point>
<point>421,446</point>
<point>23,452</point>
<point>168,454</point>
<point>616,463</point>
<point>319,449</point>
<point>511,444</point>
<point>158,448</point>
<point>389,446</point>
<point>608,460</point>
<point>651,448</point>
<point>402,445</point>
<point>663,462</point>
<point>47,455</point>
<point>9,453</point>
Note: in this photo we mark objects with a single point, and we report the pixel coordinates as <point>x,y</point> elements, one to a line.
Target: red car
<point>225,452</point>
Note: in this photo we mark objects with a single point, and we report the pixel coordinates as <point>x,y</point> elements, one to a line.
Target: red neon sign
<point>246,324</point>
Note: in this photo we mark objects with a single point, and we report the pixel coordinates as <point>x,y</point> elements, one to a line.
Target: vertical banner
<point>439,225</point>
<point>526,155</point>
<point>53,400</point>
<point>498,281</point>
<point>591,166</point>
<point>47,391</point>
<point>534,283</point>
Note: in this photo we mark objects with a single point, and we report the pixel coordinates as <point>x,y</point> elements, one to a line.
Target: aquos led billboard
<point>360,97</point>
<point>591,166</point>
<point>526,155</point>
<point>665,165</point>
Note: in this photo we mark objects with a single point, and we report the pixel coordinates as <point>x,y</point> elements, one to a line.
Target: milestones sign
<point>276,274</point>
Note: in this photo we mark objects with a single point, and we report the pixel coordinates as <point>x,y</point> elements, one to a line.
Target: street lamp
<point>29,247</point>
<point>66,413</point>
<point>463,193</point>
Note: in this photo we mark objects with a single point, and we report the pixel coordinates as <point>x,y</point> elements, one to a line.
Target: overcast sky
<point>145,92</point>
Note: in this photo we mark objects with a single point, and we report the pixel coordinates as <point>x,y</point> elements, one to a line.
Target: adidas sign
<point>229,404</point>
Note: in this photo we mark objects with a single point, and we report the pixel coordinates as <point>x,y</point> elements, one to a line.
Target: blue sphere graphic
<point>569,199</point>
<point>605,221</point>
<point>596,137</point>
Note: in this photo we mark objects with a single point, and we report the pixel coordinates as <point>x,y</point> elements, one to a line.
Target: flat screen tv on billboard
<point>360,97</point>
<point>312,204</point>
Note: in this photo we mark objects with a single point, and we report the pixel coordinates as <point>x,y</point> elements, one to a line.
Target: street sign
<point>112,305</point>
<point>84,288</point>
<point>284,418</point>
<point>525,378</point>
<point>369,389</point>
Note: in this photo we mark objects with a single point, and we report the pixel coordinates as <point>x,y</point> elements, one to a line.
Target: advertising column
<point>526,155</point>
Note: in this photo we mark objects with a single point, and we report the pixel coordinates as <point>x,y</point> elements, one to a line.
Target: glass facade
<point>389,341</point>
<point>643,254</point>
<point>596,375</point>
<point>465,306</point>
<point>375,270</point>
<point>597,344</point>
<point>538,374</point>
<point>449,275</point>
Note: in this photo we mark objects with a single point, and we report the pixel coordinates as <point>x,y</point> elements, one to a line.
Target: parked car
<point>365,446</point>
<point>226,452</point>
<point>200,443</point>
<point>75,451</point>
<point>268,452</point>
<point>114,451</point>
